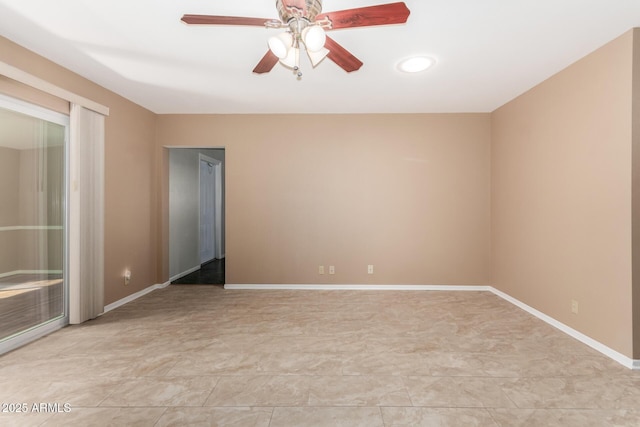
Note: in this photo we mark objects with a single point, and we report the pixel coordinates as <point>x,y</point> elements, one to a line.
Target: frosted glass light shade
<point>280,45</point>
<point>292,59</point>
<point>317,56</point>
<point>314,38</point>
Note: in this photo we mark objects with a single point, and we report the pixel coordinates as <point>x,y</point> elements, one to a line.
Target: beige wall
<point>130,217</point>
<point>130,192</point>
<point>636,194</point>
<point>561,196</point>
<point>406,193</point>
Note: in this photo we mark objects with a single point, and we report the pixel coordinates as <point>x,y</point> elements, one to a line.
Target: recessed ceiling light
<point>416,64</point>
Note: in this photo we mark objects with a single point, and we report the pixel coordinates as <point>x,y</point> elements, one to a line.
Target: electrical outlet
<point>574,306</point>
<point>332,269</point>
<point>321,269</point>
<point>370,269</point>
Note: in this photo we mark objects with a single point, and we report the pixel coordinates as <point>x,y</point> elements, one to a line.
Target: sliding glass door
<point>33,187</point>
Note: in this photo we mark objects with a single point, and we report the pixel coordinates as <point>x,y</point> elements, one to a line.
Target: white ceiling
<point>487,52</point>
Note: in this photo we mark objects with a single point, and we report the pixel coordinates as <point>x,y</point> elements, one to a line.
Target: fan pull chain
<point>296,68</point>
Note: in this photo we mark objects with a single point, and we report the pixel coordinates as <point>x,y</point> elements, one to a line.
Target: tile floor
<point>202,355</point>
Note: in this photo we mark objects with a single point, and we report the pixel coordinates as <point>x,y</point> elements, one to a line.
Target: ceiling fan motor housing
<point>296,9</point>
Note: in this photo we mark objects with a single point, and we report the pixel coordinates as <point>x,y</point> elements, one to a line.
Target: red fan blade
<point>266,64</point>
<point>223,20</point>
<point>384,14</point>
<point>342,56</point>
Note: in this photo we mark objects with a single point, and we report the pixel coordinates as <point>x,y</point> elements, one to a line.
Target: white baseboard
<point>343,287</point>
<point>596,345</point>
<point>133,297</point>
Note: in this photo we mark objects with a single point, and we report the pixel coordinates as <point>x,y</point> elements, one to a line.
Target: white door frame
<point>217,204</point>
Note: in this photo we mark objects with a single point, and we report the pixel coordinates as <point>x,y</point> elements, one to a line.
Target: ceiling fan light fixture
<point>314,38</point>
<point>280,45</point>
<point>416,64</point>
<point>306,26</point>
<point>317,56</point>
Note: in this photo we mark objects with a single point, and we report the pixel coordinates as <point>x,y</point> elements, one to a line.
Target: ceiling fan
<point>305,27</point>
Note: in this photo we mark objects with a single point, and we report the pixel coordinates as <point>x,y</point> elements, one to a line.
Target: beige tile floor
<point>200,355</point>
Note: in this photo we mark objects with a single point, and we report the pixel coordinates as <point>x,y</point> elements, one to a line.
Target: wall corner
<point>635,192</point>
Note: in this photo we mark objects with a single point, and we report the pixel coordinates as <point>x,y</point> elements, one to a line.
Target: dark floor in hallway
<point>211,273</point>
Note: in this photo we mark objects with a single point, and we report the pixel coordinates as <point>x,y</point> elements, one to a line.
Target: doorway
<point>196,214</point>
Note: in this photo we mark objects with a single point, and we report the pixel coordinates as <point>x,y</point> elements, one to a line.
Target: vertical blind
<point>86,215</point>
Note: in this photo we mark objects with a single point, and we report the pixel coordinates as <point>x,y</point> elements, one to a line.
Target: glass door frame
<point>31,334</point>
